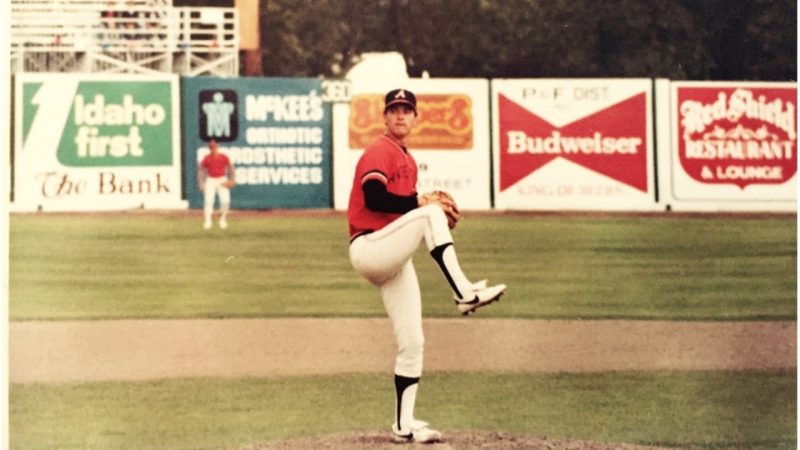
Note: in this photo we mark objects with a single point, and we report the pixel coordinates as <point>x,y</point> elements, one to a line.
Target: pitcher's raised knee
<point>435,212</point>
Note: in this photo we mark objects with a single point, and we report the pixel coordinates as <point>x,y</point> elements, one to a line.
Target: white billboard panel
<point>733,146</point>
<point>450,141</point>
<point>96,142</point>
<point>573,144</point>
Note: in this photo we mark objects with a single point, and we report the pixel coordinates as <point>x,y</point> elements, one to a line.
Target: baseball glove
<point>448,204</point>
<point>229,183</point>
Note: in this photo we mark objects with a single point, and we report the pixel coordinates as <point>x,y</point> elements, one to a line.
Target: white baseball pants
<point>384,258</point>
<point>213,187</point>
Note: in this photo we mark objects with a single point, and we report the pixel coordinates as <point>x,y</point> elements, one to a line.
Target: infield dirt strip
<point>63,351</point>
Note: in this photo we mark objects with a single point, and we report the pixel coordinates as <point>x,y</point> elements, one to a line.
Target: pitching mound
<point>463,440</point>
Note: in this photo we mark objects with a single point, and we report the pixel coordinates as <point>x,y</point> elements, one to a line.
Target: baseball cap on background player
<point>400,97</point>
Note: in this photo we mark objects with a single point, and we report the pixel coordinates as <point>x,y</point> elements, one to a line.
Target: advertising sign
<point>450,141</point>
<point>573,144</point>
<point>276,132</point>
<point>445,122</point>
<point>96,142</point>
<point>734,142</point>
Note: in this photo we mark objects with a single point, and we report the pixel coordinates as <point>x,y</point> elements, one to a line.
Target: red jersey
<point>216,165</point>
<point>388,162</point>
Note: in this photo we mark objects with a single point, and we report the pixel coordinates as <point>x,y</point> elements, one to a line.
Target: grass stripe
<point>704,410</point>
<point>630,267</point>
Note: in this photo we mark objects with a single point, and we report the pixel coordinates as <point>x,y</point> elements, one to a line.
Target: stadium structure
<point>123,36</point>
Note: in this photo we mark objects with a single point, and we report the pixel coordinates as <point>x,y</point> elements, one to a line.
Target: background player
<point>387,223</point>
<point>216,176</point>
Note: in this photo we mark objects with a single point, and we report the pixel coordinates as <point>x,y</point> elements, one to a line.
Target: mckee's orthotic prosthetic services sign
<point>576,144</point>
<point>276,132</point>
<point>96,142</point>
<point>734,145</point>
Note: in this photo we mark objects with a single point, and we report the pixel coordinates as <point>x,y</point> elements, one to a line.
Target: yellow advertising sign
<point>445,122</point>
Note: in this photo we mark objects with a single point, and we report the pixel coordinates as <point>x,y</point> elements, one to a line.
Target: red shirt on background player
<point>215,164</point>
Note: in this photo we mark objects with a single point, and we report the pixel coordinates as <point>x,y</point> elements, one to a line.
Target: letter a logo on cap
<point>400,96</point>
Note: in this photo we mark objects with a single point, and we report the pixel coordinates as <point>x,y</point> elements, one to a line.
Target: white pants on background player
<point>214,187</point>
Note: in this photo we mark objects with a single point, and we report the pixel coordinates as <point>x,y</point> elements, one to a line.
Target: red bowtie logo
<point>612,142</point>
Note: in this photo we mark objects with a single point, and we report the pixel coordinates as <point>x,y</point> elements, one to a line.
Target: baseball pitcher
<point>388,221</point>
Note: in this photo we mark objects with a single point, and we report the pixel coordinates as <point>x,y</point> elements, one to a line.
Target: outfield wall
<point>111,142</point>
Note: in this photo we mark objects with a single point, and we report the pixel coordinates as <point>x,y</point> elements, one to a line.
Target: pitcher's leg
<point>403,303</point>
<point>379,255</point>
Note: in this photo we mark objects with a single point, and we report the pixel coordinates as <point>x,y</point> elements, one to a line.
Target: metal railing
<point>127,33</point>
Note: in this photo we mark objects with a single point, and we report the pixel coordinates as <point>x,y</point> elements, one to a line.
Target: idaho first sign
<point>85,142</point>
<point>734,142</point>
<point>577,144</point>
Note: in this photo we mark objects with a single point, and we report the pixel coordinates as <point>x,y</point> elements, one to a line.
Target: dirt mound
<point>462,440</point>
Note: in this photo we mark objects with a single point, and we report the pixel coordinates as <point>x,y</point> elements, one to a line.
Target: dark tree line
<point>677,39</point>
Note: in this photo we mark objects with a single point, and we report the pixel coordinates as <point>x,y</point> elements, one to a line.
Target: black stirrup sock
<point>402,383</point>
<point>437,253</point>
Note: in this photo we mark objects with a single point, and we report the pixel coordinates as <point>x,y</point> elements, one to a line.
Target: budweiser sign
<point>612,142</point>
<point>445,122</point>
<point>737,135</point>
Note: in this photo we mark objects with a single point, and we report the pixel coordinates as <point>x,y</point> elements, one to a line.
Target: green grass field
<point>166,266</point>
<point>159,265</point>
<point>710,410</point>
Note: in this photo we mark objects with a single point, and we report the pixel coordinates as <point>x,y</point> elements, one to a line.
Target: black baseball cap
<point>400,97</point>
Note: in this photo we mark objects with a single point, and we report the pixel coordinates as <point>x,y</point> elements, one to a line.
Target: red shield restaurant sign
<point>742,135</point>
